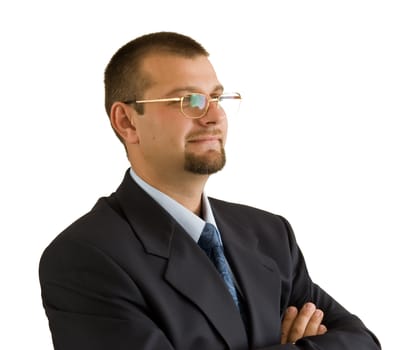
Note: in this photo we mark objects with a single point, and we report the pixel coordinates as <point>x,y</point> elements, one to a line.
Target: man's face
<point>168,141</point>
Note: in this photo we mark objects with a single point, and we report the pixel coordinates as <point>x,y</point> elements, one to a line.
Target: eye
<point>194,101</point>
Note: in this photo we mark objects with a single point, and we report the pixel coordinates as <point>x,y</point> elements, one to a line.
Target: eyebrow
<point>218,88</point>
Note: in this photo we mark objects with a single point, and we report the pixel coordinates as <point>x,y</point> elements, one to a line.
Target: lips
<point>205,139</point>
<point>212,136</point>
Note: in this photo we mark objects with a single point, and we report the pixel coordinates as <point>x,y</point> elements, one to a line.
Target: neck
<point>186,189</point>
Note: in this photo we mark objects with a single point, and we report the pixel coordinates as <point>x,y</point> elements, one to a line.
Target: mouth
<point>206,138</point>
<point>211,137</point>
<point>206,143</point>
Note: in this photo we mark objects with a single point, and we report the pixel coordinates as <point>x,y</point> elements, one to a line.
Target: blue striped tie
<point>209,241</point>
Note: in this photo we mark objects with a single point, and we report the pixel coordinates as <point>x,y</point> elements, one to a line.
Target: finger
<point>322,329</point>
<point>289,318</point>
<point>299,326</point>
<point>314,323</point>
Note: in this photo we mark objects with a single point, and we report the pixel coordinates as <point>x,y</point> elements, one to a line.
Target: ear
<point>122,119</point>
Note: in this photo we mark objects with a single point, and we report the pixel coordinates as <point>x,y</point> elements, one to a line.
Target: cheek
<point>164,132</point>
<point>166,138</point>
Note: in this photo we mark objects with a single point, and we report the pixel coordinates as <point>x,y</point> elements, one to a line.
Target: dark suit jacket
<point>127,276</point>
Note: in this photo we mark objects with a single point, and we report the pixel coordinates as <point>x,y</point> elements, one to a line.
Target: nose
<point>214,115</point>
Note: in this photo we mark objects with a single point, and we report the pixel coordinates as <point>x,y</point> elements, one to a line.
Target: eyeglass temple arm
<point>177,99</point>
<point>172,99</point>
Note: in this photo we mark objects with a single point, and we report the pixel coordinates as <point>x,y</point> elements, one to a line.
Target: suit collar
<point>152,225</point>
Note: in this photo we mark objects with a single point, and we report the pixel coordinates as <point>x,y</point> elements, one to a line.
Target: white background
<point>318,138</point>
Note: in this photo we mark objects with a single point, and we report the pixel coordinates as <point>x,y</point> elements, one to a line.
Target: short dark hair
<point>123,77</point>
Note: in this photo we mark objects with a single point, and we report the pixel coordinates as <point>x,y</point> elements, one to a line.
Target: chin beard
<point>205,164</point>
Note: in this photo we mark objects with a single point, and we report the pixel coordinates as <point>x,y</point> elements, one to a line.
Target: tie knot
<point>209,238</point>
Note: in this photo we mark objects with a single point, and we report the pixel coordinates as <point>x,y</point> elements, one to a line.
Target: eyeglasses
<point>196,105</point>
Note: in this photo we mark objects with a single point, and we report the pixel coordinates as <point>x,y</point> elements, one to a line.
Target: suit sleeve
<point>91,303</point>
<point>345,331</point>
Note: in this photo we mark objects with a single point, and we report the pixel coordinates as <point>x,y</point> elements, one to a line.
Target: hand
<point>306,322</point>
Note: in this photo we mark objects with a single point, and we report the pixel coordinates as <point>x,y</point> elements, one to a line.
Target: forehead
<point>168,72</point>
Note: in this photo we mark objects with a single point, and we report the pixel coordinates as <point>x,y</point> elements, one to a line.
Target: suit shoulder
<point>100,222</point>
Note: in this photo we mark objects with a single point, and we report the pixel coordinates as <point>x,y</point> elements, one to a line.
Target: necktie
<point>209,241</point>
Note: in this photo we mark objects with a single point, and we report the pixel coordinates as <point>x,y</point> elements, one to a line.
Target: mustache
<point>204,133</point>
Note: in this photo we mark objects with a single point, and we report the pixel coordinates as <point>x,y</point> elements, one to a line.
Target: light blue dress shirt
<point>190,222</point>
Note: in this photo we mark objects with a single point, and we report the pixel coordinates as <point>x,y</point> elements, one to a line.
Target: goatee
<point>205,164</point>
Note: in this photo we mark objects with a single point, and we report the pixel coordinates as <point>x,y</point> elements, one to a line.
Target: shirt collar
<point>189,221</point>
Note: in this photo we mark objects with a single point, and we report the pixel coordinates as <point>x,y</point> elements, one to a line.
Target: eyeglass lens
<point>195,105</point>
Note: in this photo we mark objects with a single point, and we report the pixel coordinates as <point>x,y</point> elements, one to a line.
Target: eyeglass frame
<point>233,95</point>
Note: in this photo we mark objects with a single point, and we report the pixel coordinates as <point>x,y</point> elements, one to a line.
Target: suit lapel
<point>193,275</point>
<point>257,275</point>
<point>189,270</point>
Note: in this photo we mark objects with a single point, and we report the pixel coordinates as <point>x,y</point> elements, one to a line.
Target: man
<point>143,270</point>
